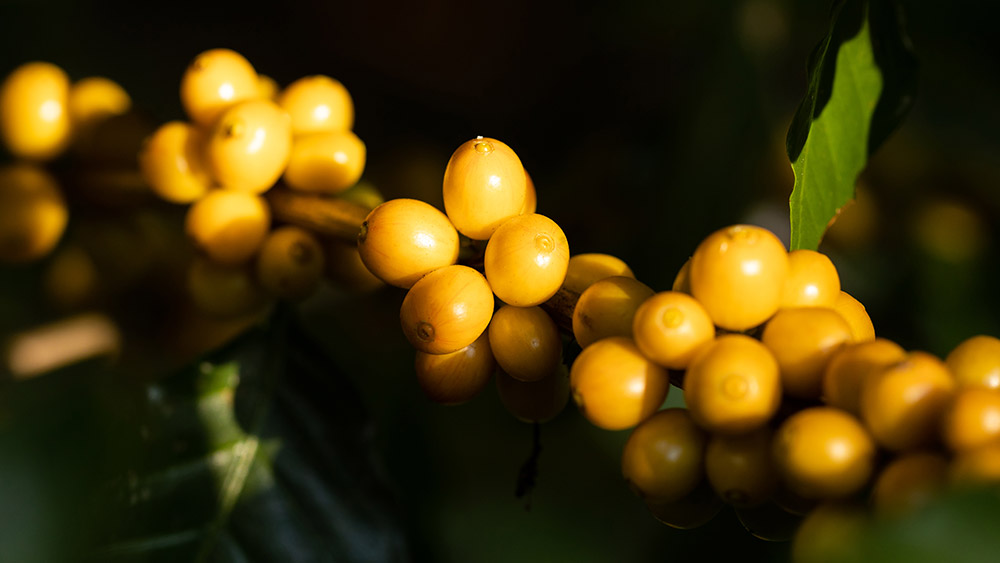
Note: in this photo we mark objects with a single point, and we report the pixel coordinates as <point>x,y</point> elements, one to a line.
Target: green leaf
<point>862,76</point>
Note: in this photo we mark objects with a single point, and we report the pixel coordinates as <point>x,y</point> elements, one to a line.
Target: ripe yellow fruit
<point>738,274</point>
<point>403,239</point>
<point>228,226</point>
<point>318,104</point>
<point>452,379</point>
<point>585,269</point>
<point>803,339</point>
<point>976,467</point>
<point>615,386</point>
<point>171,162</point>
<point>290,263</point>
<point>526,260</point>
<point>740,468</point>
<point>249,146</point>
<point>525,342</point>
<point>534,401</point>
<point>976,361</point>
<point>663,458</point>
<point>909,482</point>
<point>484,185</point>
<point>812,280</point>
<point>732,385</point>
<point>325,162</point>
<point>972,419</point>
<point>823,453</point>
<point>862,329</point>
<point>267,87</point>
<point>530,196</point>
<point>682,281</point>
<point>94,99</point>
<point>34,121</point>
<point>851,365</point>
<point>446,310</point>
<point>216,80</point>
<point>607,308</point>
<point>33,213</point>
<point>670,327</point>
<point>223,290</point>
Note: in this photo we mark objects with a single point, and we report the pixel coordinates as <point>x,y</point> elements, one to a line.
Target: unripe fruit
<point>740,468</point>
<point>216,80</point>
<point>862,329</point>
<point>222,290</point>
<point>803,339</point>
<point>452,379</point>
<point>534,401</point>
<point>909,483</point>
<point>972,419</point>
<point>484,185</point>
<point>525,342</point>
<point>738,274</point>
<point>249,146</point>
<point>33,214</point>
<point>526,260</point>
<point>171,162</point>
<point>976,361</point>
<point>586,269</point>
<point>404,239</point>
<point>34,121</point>
<point>446,310</point>
<point>670,327</point>
<point>326,162</point>
<point>663,458</point>
<point>607,308</point>
<point>228,226</point>
<point>290,263</point>
<point>851,365</point>
<point>812,280</point>
<point>316,104</point>
<point>615,386</point>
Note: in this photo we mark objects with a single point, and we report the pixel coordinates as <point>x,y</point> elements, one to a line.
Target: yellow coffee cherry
<point>909,483</point>
<point>976,467</point>
<point>318,104</point>
<point>829,533</point>
<point>615,386</point>
<point>364,194</point>
<point>693,511</point>
<point>526,260</point>
<point>902,404</point>
<point>732,386</point>
<point>223,290</point>
<point>33,213</point>
<point>682,281</point>
<point>94,99</point>
<point>249,146</point>
<point>607,308</point>
<point>823,453</point>
<point>585,269</point>
<point>455,378</point>
<point>670,327</point>
<point>851,365</point>
<point>484,185</point>
<point>228,226</point>
<point>738,274</point>
<point>290,263</point>
<point>972,419</point>
<point>812,280</point>
<point>267,87</point>
<point>404,239</point>
<point>862,329</point>
<point>525,342</point>
<point>325,162</point>
<point>803,339</point>
<point>663,458</point>
<point>216,80</point>
<point>740,469</point>
<point>976,361</point>
<point>34,121</point>
<point>534,401</point>
<point>345,269</point>
<point>446,310</point>
<point>530,196</point>
<point>171,162</point>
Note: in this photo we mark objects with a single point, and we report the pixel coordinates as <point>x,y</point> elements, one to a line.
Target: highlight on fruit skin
<point>33,213</point>
<point>228,226</point>
<point>214,81</point>
<point>317,104</point>
<point>670,327</point>
<point>446,310</point>
<point>854,312</point>
<point>34,118</point>
<point>455,378</point>
<point>484,185</point>
<point>327,162</point>
<point>976,361</point>
<point>525,342</point>
<point>526,260</point>
<point>172,163</point>
<point>812,280</point>
<point>585,269</point>
<point>249,145</point>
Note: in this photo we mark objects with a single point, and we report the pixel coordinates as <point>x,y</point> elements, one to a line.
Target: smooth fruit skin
<point>94,99</point>
<point>862,329</point>
<point>249,146</point>
<point>222,290</point>
<point>33,213</point>
<point>607,308</point>
<point>902,404</point>
<point>525,342</point>
<point>455,378</point>
<point>403,239</point>
<point>228,226</point>
<point>812,280</point>
<point>34,121</point>
<point>290,263</point>
<point>972,419</point>
<point>534,401</point>
<point>976,361</point>
<point>446,310</point>
<point>823,453</point>
<point>530,196</point>
<point>317,104</point>
<point>803,339</point>
<point>325,162</point>
<point>216,80</point>
<point>171,162</point>
<point>345,269</point>
<point>740,468</point>
<point>663,458</point>
<point>738,273</point>
<point>976,467</point>
<point>682,281</point>
<point>484,185</point>
<point>670,327</point>
<point>267,87</point>
<point>526,260</point>
<point>733,386</point>
<point>851,365</point>
<point>586,269</point>
<point>909,483</point>
<point>615,386</point>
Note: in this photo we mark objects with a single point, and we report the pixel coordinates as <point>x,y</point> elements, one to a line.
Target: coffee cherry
<point>976,467</point>
<point>829,533</point>
<point>364,194</point>
<point>317,104</point>
<point>71,279</point>
<point>738,274</point>
<point>976,361</point>
<point>802,340</point>
<point>171,162</point>
<point>732,385</point>
<point>972,419</point>
<point>484,185</point>
<point>345,269</point>
<point>267,88</point>
<point>909,483</point>
<point>446,310</point>
<point>249,146</point>
<point>823,453</point>
<point>585,269</point>
<point>663,457</point>
<point>682,281</point>
<point>856,316</point>
<point>670,327</point>
<point>607,308</point>
<point>326,162</point>
<point>526,260</point>
<point>525,342</point>
<point>290,263</point>
<point>534,401</point>
<point>694,510</point>
<point>34,121</point>
<point>404,239</point>
<point>615,386</point>
<point>851,365</point>
<point>223,290</point>
<point>216,80</point>
<point>93,100</point>
<point>740,468</point>
<point>452,379</point>
<point>228,226</point>
<point>530,196</point>
<point>33,213</point>
<point>812,280</point>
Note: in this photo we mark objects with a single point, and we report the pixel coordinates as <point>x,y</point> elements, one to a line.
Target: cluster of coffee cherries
<point>244,137</point>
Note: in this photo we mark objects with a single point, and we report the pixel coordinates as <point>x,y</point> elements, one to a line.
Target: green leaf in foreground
<point>861,83</point>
